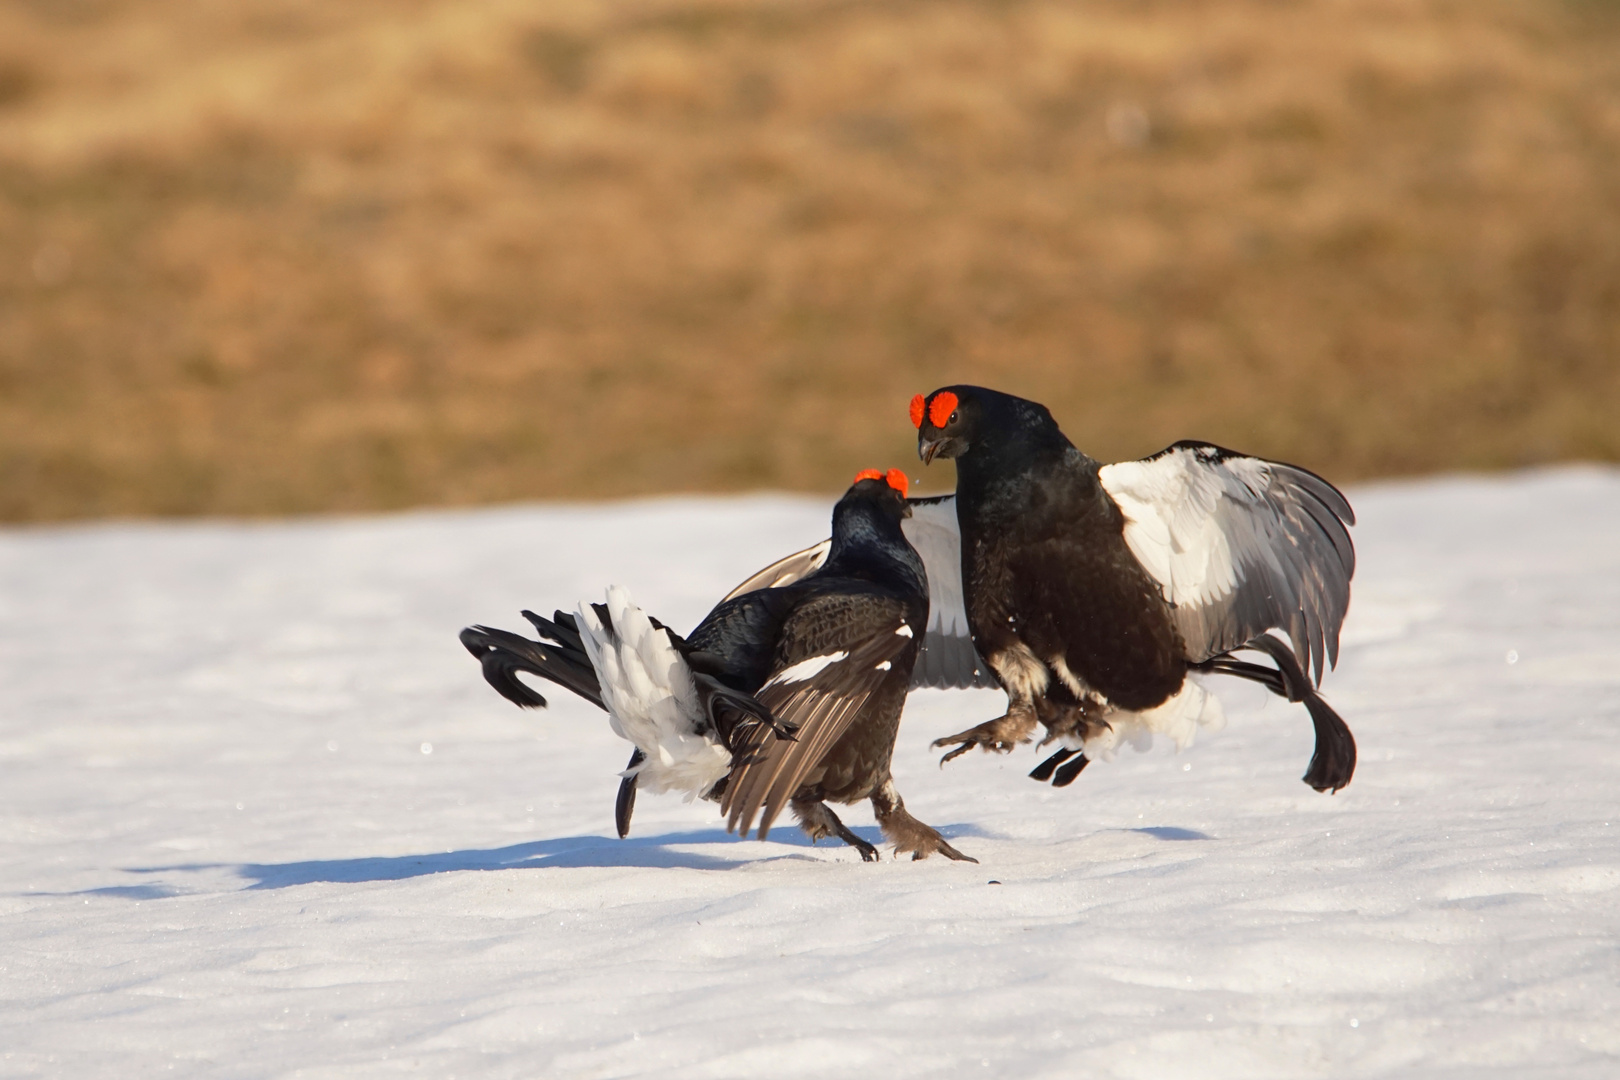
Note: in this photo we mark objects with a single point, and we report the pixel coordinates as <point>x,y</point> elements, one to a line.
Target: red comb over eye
<point>917,404</point>
<point>867,474</point>
<point>940,411</point>
<point>898,481</point>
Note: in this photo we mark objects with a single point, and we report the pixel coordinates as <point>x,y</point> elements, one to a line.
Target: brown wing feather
<point>799,761</point>
<point>779,767</point>
<point>820,710</point>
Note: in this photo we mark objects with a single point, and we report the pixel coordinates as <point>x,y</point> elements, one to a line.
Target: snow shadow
<point>132,892</point>
<point>568,851</point>
<point>1171,832</point>
<point>657,852</point>
<point>122,892</point>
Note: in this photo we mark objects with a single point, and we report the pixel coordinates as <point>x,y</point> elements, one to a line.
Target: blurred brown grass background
<point>266,257</point>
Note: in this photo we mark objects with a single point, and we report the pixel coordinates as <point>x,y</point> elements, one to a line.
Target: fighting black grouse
<point>1092,591</point>
<point>783,695</point>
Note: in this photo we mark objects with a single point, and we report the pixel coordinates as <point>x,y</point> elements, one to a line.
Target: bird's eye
<point>952,420</point>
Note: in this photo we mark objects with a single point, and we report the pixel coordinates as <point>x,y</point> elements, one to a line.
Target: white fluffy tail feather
<point>651,699</point>
<point>1180,717</point>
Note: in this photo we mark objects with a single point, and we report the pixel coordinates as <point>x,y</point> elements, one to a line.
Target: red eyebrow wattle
<point>898,481</point>
<point>939,413</point>
<point>917,404</point>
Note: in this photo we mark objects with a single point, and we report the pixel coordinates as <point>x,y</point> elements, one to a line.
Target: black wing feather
<point>946,658</point>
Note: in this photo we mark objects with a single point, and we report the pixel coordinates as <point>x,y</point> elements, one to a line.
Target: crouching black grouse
<point>782,696</point>
<point>1094,590</point>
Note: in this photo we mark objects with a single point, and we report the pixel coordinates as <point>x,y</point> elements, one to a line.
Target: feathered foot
<point>999,735</point>
<point>1077,722</point>
<point>905,832</point>
<point>819,822</point>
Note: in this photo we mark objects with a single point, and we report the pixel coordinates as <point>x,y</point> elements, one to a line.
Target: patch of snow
<point>226,851</point>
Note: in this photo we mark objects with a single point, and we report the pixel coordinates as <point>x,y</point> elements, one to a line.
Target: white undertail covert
<point>1179,718</point>
<point>651,699</point>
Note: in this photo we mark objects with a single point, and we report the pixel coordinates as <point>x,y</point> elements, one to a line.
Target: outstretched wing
<point>1241,546</point>
<point>784,571</point>
<point>947,659</point>
<point>845,647</point>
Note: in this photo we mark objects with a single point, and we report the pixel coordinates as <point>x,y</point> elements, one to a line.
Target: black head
<point>873,491</point>
<point>867,541</point>
<point>956,420</point>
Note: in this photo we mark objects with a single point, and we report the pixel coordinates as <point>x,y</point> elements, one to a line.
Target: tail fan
<point>683,720</point>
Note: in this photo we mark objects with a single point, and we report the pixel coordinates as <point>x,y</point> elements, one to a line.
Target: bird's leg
<point>818,822</point>
<point>1001,734</point>
<point>1070,721</point>
<point>905,832</point>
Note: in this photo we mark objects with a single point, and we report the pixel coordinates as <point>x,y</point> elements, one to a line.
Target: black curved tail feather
<point>1271,678</point>
<point>1334,761</point>
<point>1043,772</point>
<point>735,715</point>
<point>1069,770</point>
<point>1059,768</point>
<point>562,628</point>
<point>625,804</point>
<point>502,655</point>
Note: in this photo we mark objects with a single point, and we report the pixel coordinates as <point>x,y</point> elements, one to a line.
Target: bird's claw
<point>999,736</point>
<point>941,847</point>
<point>921,840</point>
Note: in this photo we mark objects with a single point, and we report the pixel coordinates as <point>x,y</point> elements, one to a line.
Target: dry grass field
<point>266,257</point>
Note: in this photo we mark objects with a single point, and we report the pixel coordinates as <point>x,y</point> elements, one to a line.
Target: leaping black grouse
<point>1092,591</point>
<point>784,695</point>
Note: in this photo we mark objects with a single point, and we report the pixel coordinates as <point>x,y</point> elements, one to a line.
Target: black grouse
<point>1091,591</point>
<point>784,695</point>
<point>1094,590</point>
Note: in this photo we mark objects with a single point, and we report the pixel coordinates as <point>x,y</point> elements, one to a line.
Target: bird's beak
<point>927,448</point>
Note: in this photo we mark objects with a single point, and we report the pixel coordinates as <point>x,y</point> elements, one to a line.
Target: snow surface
<point>229,852</point>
